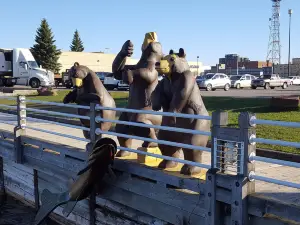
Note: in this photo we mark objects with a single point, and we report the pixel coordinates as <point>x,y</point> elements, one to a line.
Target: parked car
<point>295,80</point>
<point>123,86</point>
<point>241,81</point>
<point>213,81</point>
<point>270,81</point>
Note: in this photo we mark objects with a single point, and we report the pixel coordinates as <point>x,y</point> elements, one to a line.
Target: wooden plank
<point>4,134</point>
<point>192,184</point>
<point>47,168</point>
<point>67,164</point>
<point>152,207</point>
<point>127,212</point>
<point>6,152</point>
<point>58,147</point>
<point>261,206</point>
<point>183,201</point>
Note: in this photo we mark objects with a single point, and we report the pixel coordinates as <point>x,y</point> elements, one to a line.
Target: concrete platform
<point>278,192</point>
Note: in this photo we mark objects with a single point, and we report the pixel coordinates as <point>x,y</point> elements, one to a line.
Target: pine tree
<point>77,44</point>
<point>45,51</point>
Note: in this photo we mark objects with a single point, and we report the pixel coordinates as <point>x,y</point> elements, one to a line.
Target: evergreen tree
<point>45,51</point>
<point>77,44</point>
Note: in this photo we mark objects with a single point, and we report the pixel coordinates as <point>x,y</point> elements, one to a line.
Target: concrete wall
<point>102,62</point>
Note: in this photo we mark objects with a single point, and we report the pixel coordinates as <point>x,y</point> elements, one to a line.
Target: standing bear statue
<point>89,89</point>
<point>142,79</point>
<point>178,92</point>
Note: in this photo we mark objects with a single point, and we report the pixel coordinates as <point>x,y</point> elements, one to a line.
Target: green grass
<point>233,105</point>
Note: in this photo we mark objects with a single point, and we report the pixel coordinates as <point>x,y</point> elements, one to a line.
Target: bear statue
<point>142,79</point>
<point>178,92</point>
<point>89,89</point>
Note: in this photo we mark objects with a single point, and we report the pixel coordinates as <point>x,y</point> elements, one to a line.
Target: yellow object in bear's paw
<point>149,160</point>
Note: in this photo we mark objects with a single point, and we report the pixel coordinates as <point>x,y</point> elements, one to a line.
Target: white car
<point>213,81</point>
<point>295,80</point>
<point>241,81</point>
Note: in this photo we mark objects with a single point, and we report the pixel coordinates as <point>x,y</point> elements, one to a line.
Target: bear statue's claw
<point>166,164</point>
<point>123,153</point>
<point>190,170</point>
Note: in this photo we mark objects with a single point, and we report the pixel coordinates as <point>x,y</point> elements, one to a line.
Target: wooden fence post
<point>241,186</point>
<point>19,130</point>
<point>213,207</point>
<point>92,199</point>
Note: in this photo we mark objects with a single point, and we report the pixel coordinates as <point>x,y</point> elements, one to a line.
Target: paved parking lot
<point>259,92</point>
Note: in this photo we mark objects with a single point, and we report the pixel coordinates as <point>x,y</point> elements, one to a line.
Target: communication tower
<point>274,54</point>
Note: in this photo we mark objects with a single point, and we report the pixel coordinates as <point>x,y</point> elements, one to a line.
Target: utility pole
<point>197,65</point>
<point>289,60</point>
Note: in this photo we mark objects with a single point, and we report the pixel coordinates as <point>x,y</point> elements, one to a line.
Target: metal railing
<point>229,154</point>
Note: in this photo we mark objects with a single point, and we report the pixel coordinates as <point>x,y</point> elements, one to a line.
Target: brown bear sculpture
<point>89,89</point>
<point>142,79</point>
<point>178,92</point>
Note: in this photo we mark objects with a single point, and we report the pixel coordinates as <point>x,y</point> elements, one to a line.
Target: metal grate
<point>229,156</point>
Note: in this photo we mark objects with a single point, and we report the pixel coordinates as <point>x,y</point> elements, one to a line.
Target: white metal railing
<point>98,119</point>
<point>239,155</point>
<point>252,157</point>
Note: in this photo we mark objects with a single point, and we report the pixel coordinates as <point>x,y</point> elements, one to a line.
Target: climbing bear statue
<point>142,79</point>
<point>178,92</point>
<point>89,89</point>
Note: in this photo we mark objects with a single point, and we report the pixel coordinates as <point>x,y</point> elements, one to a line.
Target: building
<point>282,69</point>
<point>233,64</point>
<point>102,62</point>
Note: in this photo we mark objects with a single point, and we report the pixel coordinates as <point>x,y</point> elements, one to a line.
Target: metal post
<point>290,19</point>
<point>241,186</point>
<point>19,130</point>
<point>213,207</point>
<point>2,185</point>
<point>92,199</point>
<point>197,65</point>
<point>36,189</point>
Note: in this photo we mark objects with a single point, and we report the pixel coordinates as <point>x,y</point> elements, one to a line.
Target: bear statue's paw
<point>123,153</point>
<point>190,170</point>
<point>166,164</point>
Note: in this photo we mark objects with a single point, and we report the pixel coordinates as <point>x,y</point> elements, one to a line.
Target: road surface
<point>260,92</point>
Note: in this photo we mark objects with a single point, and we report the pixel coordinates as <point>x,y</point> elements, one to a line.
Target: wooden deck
<point>158,196</point>
<point>282,193</point>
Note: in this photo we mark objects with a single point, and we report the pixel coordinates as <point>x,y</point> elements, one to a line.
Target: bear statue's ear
<point>181,53</point>
<point>171,52</point>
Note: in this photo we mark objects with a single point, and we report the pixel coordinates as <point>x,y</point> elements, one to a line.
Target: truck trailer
<point>18,67</point>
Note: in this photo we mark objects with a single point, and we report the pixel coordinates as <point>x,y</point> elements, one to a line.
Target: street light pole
<point>290,14</point>
<point>197,65</point>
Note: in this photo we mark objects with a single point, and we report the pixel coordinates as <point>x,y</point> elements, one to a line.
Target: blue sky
<point>208,28</point>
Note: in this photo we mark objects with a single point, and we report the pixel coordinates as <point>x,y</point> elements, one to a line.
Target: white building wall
<point>102,62</point>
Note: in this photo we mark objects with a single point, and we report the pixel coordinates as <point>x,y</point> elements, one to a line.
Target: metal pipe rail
<point>182,130</point>
<point>59,113</point>
<point>274,142</point>
<point>56,133</point>
<point>8,98</point>
<point>58,104</point>
<point>165,157</point>
<point>8,106</point>
<point>253,158</point>
<point>57,123</point>
<point>181,115</point>
<point>253,177</point>
<point>254,121</point>
<point>170,143</point>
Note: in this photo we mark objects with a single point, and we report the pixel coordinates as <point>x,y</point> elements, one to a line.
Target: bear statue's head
<point>173,63</point>
<point>77,73</point>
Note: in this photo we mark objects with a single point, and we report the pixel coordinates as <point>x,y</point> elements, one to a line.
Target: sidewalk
<point>263,169</point>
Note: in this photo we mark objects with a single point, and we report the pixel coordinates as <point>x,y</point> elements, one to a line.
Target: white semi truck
<point>18,67</point>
